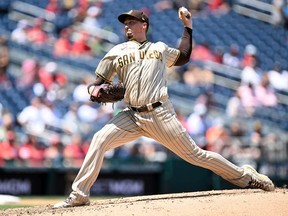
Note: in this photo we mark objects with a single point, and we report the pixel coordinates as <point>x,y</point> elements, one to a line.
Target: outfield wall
<point>123,179</point>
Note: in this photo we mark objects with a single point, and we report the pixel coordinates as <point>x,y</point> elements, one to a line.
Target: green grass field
<point>3,207</point>
<point>28,201</point>
<point>31,201</point>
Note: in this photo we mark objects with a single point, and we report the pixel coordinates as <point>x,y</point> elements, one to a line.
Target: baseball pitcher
<point>141,66</point>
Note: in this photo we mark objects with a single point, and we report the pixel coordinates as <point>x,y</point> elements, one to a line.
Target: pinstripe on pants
<point>162,125</point>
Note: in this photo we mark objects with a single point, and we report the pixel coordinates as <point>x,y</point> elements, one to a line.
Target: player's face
<point>135,29</point>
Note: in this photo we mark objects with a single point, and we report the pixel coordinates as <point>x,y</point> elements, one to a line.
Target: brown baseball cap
<point>136,14</point>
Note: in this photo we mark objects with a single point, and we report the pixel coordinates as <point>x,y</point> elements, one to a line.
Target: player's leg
<point>169,131</point>
<point>120,130</point>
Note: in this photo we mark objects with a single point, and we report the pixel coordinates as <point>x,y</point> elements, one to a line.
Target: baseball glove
<point>108,93</point>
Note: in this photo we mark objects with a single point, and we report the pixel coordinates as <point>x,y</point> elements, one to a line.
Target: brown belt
<point>147,107</point>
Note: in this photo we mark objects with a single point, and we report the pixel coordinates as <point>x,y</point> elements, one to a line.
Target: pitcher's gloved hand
<point>107,92</point>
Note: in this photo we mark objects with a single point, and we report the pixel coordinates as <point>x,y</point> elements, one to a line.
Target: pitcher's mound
<point>245,202</point>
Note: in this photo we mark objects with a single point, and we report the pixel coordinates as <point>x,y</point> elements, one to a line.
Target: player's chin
<point>129,36</point>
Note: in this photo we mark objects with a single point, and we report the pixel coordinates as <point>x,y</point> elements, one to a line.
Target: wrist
<point>188,25</point>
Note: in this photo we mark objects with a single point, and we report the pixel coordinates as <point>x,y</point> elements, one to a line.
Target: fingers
<point>184,13</point>
<point>90,89</point>
<point>94,91</point>
<point>185,17</point>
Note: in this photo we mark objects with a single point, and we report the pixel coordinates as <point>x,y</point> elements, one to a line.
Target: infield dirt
<point>242,202</point>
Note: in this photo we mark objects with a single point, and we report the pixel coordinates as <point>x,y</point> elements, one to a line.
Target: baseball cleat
<point>259,181</point>
<point>74,199</point>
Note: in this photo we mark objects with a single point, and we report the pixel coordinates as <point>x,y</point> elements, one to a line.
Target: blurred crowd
<point>278,9</point>
<point>257,87</point>
<point>74,32</point>
<point>57,124</point>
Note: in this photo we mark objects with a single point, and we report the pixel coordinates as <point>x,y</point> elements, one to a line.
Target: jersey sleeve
<point>106,67</point>
<point>172,55</point>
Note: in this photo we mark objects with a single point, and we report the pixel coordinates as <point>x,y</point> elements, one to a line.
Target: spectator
<point>278,77</point>
<point>62,45</point>
<point>52,6</point>
<point>91,21</point>
<point>54,81</point>
<point>233,145</point>
<point>237,129</point>
<point>65,16</point>
<point>133,150</point>
<point>257,134</point>
<point>31,153</point>
<point>163,5</point>
<point>218,55</point>
<point>4,61</point>
<point>197,6</point>
<point>243,146</point>
<point>105,113</point>
<point>250,55</point>
<point>251,149</point>
<point>251,73</point>
<point>7,123</point>
<point>8,148</point>
<point>248,155</point>
<point>96,45</point>
<point>57,112</point>
<point>80,10</point>
<point>273,155</point>
<point>232,58</point>
<point>220,6</point>
<point>30,69</point>
<point>36,33</point>
<point>36,117</point>
<point>80,93</point>
<point>143,149</point>
<point>205,98</point>
<point>248,99</point>
<point>264,93</point>
<point>7,137</point>
<point>191,74</point>
<point>87,112</point>
<point>181,117</point>
<point>53,154</point>
<point>80,45</point>
<point>234,107</point>
<point>85,146</point>
<point>216,136</point>
<point>198,122</point>
<point>150,152</point>
<point>68,5</point>
<point>46,73</point>
<point>71,122</point>
<point>197,76</point>
<point>202,52</point>
<point>19,34</point>
<point>73,152</point>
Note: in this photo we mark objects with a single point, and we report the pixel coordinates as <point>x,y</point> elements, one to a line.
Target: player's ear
<point>145,26</point>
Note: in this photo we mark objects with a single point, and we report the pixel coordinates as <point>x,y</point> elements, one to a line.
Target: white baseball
<point>184,11</point>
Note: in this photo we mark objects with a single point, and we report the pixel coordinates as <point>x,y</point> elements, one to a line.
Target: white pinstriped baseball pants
<point>162,125</point>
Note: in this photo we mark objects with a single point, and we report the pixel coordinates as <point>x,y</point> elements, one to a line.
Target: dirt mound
<point>209,203</point>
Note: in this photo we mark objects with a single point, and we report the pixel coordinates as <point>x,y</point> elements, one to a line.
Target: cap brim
<point>123,17</point>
